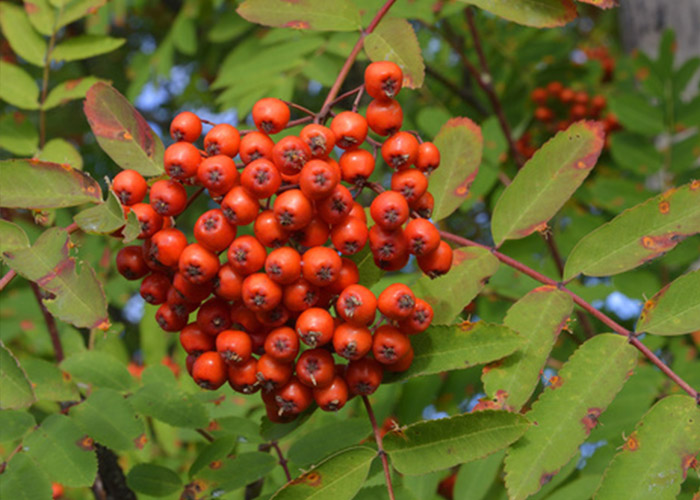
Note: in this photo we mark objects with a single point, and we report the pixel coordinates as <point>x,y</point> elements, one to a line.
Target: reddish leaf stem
<point>380,447</point>
<point>282,460</point>
<point>5,280</point>
<point>50,323</point>
<point>350,60</point>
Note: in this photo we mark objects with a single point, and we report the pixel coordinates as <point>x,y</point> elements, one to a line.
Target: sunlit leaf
<point>14,424</point>
<point>24,479</point>
<point>17,87</point>
<point>394,40</point>
<point>68,90</point>
<point>657,455</point>
<point>18,135</point>
<point>538,317</point>
<point>567,411</point>
<point>98,369</point>
<point>439,444</point>
<point>84,47</point>
<point>638,235</point>
<point>537,13</point>
<point>16,391</point>
<point>450,293</point>
<point>21,35</point>
<point>122,132</point>
<point>675,309</point>
<point>12,237</point>
<point>340,15</point>
<point>62,152</point>
<point>603,4</point>
<point>460,144</point>
<point>104,218</point>
<point>547,181</point>
<point>41,14</point>
<point>172,406</point>
<point>75,10</point>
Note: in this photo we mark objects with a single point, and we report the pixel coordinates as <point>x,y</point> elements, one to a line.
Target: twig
<point>5,280</point>
<point>321,116</point>
<point>205,435</point>
<point>459,91</point>
<point>50,323</point>
<point>380,447</point>
<point>300,108</point>
<point>45,80</point>
<point>282,460</point>
<point>346,94</point>
<point>356,102</point>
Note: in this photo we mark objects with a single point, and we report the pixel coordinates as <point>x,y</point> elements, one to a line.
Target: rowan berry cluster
<point>287,308</point>
<point>558,107</point>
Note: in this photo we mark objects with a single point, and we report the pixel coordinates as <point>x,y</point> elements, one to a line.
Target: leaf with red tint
<point>536,13</point>
<point>460,143</point>
<point>673,310</point>
<point>603,4</point>
<point>40,184</point>
<point>639,234</point>
<point>122,132</point>
<point>547,181</point>
<point>339,15</point>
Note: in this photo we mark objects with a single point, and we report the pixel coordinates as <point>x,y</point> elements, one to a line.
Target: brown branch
<point>380,447</point>
<point>50,323</point>
<point>205,435</point>
<point>5,280</point>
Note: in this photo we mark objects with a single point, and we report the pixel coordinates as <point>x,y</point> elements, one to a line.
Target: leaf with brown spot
<point>638,235</point>
<point>394,40</point>
<point>461,144</point>
<point>122,132</point>
<point>666,441</point>
<point>321,15</point>
<point>673,310</point>
<point>67,91</point>
<point>547,181</point>
<point>536,13</point>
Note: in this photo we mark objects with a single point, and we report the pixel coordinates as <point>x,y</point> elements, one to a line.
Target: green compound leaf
<point>16,390</point>
<point>62,152</point>
<point>63,451</point>
<point>98,369</point>
<point>216,450</point>
<point>673,310</point>
<point>77,295</point>
<point>104,218</point>
<point>449,294</point>
<point>122,132</point>
<point>21,35</point>
<point>394,40</point>
<point>153,480</point>
<point>110,420</point>
<point>41,15</point>
<point>547,181</point>
<point>84,47</point>
<point>538,317</point>
<point>49,382</point>
<point>655,459</point>
<point>18,135</point>
<point>77,9</point>
<point>24,480</point>
<point>460,143</point>
<point>638,235</point>
<point>636,114</point>
<point>12,237</point>
<point>340,15</point>
<point>338,477</point>
<point>439,444</point>
<point>445,348</point>
<point>69,90</point>
<point>567,411</point>
<point>170,405</point>
<point>14,424</point>
<point>234,473</point>
<point>38,184</point>
<point>17,87</point>
<point>537,13</point>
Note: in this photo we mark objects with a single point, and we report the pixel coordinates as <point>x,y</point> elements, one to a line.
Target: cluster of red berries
<point>269,325</point>
<point>558,107</point>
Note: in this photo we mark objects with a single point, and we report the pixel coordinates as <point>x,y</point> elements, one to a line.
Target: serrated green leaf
<point>104,218</point>
<point>394,40</point>
<point>567,411</point>
<point>673,310</point>
<point>122,132</point>
<point>234,473</point>
<point>216,450</point>
<point>76,293</point>
<point>634,152</point>
<point>24,479</point>
<point>547,181</point>
<point>313,446</point>
<point>14,424</point>
<point>49,382</point>
<point>69,90</point>
<point>84,47</point>
<point>98,369</point>
<point>171,406</point>
<point>445,348</point>
<point>636,114</point>
<point>59,447</point>
<point>38,184</point>
<point>18,135</point>
<point>339,477</point>
<point>185,34</point>
<point>62,152</point>
<point>16,391</point>
<point>41,14</point>
<point>439,444</point>
<point>638,235</point>
<point>656,457</point>
<point>17,87</point>
<point>474,479</point>
<point>132,229</point>
<point>108,418</point>
<point>153,480</point>
<point>580,488</point>
<point>460,143</point>
<point>537,13</point>
<point>21,35</point>
<point>227,26</point>
<point>12,237</point>
<point>75,10</point>
<point>449,294</point>
<point>320,15</point>
<point>538,317</point>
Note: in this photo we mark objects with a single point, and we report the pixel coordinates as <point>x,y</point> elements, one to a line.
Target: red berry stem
<point>380,447</point>
<point>346,94</point>
<point>356,102</point>
<point>282,460</point>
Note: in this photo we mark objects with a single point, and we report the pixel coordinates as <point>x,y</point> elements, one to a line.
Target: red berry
<point>209,371</point>
<point>130,187</point>
<point>181,160</point>
<point>234,346</point>
<point>363,376</point>
<point>186,126</point>
<point>383,79</point>
<point>131,264</point>
<point>223,139</point>
<point>350,129</point>
<point>270,115</point>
